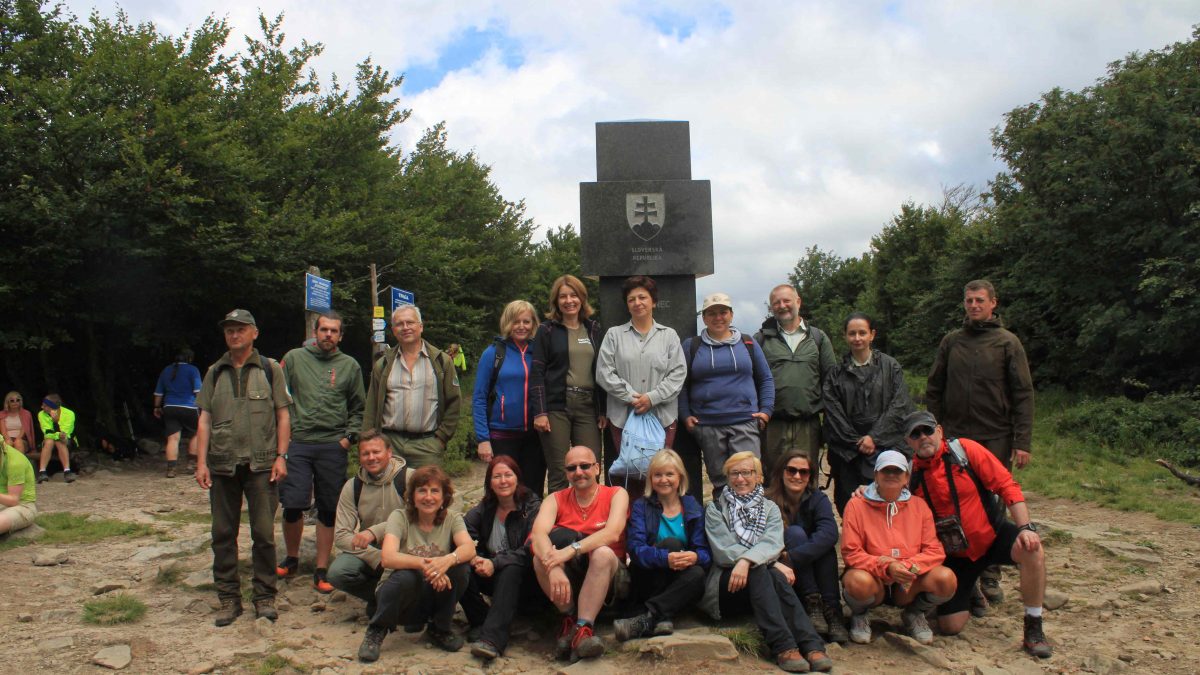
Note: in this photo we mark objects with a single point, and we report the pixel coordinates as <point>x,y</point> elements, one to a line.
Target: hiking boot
<point>320,581</point>
<point>815,606</point>
<point>664,627</point>
<point>231,609</point>
<point>566,630</point>
<point>990,585</point>
<point>792,661</point>
<point>1035,640</point>
<point>447,640</point>
<point>860,628</point>
<point>170,472</point>
<point>265,608</point>
<point>43,477</point>
<point>484,650</point>
<point>368,651</point>
<point>633,627</point>
<point>68,476</point>
<point>916,626</point>
<point>415,627</point>
<point>586,644</point>
<point>819,661</point>
<point>287,568</point>
<point>837,625</point>
<point>979,603</point>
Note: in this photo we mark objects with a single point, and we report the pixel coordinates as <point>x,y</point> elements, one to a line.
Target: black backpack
<point>498,353</point>
<point>399,483</point>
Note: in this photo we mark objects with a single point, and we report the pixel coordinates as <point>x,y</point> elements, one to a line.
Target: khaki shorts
<point>20,516</point>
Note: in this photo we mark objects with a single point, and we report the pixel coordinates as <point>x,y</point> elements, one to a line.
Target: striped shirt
<point>631,363</point>
<point>412,397</point>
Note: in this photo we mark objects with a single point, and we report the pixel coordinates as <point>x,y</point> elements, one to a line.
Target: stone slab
<point>676,303</point>
<point>612,245</point>
<point>649,149</point>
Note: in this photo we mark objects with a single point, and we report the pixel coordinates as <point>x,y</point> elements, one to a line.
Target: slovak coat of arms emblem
<point>646,213</point>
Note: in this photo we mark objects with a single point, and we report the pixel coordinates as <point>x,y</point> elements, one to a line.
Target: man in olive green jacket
<point>241,450</point>
<point>414,396</point>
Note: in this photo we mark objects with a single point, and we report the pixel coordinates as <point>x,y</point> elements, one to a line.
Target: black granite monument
<point>645,215</point>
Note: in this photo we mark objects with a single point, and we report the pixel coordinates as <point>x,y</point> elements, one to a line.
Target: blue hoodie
<point>721,388</point>
<point>510,407</point>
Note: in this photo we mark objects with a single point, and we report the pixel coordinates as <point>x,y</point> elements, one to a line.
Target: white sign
<point>377,336</point>
<point>378,324</point>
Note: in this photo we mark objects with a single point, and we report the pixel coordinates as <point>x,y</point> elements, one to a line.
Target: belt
<point>579,390</point>
<point>412,436</point>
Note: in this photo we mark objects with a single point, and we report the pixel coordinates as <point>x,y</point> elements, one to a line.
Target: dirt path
<point>1099,629</point>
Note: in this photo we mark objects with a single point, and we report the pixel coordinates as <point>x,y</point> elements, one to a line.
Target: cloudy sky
<point>814,121</point>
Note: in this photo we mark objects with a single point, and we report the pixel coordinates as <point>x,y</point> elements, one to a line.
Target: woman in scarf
<point>892,553</point>
<point>745,533</point>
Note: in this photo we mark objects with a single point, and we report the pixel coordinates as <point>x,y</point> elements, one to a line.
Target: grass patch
<point>169,575</point>
<point>277,664</point>
<point>747,640</point>
<point>1057,538</point>
<point>185,517</point>
<point>70,528</point>
<point>115,609</point>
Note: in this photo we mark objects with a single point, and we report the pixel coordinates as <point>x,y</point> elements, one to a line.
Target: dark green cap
<point>239,316</point>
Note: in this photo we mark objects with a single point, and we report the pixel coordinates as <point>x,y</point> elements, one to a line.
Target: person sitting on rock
<point>363,508</point>
<point>745,531</point>
<point>426,558</point>
<point>892,553</point>
<point>57,422</point>
<point>18,490</point>
<point>668,548</point>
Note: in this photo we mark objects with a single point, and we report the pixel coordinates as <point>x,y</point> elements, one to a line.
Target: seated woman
<point>500,523</point>
<point>810,537</point>
<point>668,549</point>
<point>892,553</point>
<point>16,423</point>
<point>426,560</point>
<point>745,533</point>
<point>18,490</point>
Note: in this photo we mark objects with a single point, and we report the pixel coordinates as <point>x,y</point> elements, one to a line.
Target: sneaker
<point>916,626</point>
<point>792,661</point>
<point>231,609</point>
<point>566,630</point>
<point>288,567</point>
<point>68,476</point>
<point>990,585</point>
<point>814,606</point>
<point>320,581</point>
<point>664,627</point>
<point>447,640</point>
<point>819,661</point>
<point>837,625</point>
<point>979,603</point>
<point>1035,640</point>
<point>368,651</point>
<point>43,477</point>
<point>586,644</point>
<point>265,608</point>
<point>860,628</point>
<point>633,627</point>
<point>484,650</point>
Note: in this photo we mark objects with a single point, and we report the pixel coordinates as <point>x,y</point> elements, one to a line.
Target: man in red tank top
<point>578,543</point>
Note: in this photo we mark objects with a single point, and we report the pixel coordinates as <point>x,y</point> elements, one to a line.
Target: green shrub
<point>1165,426</point>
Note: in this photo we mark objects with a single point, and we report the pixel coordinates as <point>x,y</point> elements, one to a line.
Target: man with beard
<point>327,411</point>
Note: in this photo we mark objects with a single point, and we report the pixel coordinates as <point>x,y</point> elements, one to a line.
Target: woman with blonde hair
<point>500,405</point>
<point>16,423</point>
<point>563,396</point>
<point>667,547</point>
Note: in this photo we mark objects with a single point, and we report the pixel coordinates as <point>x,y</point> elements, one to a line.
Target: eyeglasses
<point>742,474</point>
<point>582,466</point>
<point>793,471</point>
<point>919,432</point>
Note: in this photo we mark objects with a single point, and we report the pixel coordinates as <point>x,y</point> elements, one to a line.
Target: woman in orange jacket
<point>892,553</point>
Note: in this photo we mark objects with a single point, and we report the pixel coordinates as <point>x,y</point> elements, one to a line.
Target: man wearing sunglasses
<point>578,543</point>
<point>989,540</point>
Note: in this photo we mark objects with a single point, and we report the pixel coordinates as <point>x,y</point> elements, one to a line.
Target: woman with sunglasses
<point>745,533</point>
<point>866,400</point>
<point>16,423</point>
<point>810,539</point>
<point>892,553</point>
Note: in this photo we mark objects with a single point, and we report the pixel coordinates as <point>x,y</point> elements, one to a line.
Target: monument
<point>645,215</point>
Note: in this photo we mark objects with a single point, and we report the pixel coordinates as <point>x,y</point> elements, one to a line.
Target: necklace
<point>585,510</point>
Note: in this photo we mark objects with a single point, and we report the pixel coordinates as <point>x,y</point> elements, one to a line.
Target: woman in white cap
<point>892,553</point>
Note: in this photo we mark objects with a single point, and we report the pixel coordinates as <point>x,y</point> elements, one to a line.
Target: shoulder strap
<point>399,484</point>
<point>748,343</point>
<point>358,484</point>
<point>268,371</point>
<point>499,351</point>
<point>693,349</point>
<point>818,337</point>
<point>992,505</point>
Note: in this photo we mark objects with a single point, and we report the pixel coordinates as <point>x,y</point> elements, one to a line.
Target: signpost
<point>318,294</point>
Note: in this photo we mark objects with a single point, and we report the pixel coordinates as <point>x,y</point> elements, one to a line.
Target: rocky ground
<point>1124,598</point>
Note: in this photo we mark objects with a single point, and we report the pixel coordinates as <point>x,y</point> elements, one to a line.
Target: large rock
<point>56,643</point>
<point>701,647</point>
<point>49,557</point>
<point>175,548</point>
<point>31,533</point>
<point>1128,551</point>
<point>1054,599</point>
<point>1103,665</point>
<point>108,586</point>
<point>933,657</point>
<point>57,615</point>
<point>1147,587</point>
<point>199,579</point>
<point>114,658</point>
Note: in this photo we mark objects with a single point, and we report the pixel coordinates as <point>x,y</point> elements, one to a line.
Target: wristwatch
<point>1028,526</point>
<point>283,456</point>
<point>577,547</point>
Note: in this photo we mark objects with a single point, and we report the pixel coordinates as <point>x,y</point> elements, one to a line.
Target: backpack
<point>817,335</point>
<point>267,370</point>
<point>401,479</point>
<point>993,506</point>
<point>747,342</point>
<point>499,351</point>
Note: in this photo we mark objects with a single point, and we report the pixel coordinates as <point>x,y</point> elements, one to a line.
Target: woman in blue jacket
<point>500,404</point>
<point>810,537</point>
<point>668,549</point>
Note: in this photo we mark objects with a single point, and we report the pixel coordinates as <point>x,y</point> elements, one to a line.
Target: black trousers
<point>527,450</point>
<point>407,597</point>
<point>777,611</point>
<point>504,587</point>
<point>847,476</point>
<point>668,592</point>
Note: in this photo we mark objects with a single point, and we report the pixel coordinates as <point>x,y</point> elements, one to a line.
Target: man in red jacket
<point>984,537</point>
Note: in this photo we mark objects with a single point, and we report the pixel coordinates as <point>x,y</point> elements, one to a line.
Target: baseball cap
<point>891,458</point>
<point>239,316</point>
<point>715,300</point>
<point>920,418</point>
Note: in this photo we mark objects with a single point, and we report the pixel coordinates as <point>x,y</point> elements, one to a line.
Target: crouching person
<point>426,559</point>
<point>363,508</point>
<point>578,545</point>
<point>892,553</point>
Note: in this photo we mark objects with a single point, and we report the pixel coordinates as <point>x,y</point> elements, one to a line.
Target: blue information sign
<point>401,297</point>
<point>318,294</point>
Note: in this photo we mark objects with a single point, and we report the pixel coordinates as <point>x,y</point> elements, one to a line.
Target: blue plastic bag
<point>642,437</point>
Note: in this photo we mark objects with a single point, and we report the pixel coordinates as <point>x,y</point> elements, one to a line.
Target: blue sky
<point>814,121</point>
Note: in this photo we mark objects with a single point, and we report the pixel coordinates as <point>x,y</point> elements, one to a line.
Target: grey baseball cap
<point>920,418</point>
<point>239,316</point>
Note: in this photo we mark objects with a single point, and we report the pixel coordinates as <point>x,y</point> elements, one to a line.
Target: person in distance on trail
<point>989,538</point>
<point>801,358</point>
<point>457,356</point>
<point>363,508</point>
<point>414,396</point>
<point>57,422</point>
<point>578,543</point>
<point>175,405</point>
<point>326,414</point>
<point>980,388</point>
<point>241,451</point>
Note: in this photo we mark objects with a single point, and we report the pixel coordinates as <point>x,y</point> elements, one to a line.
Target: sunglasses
<point>920,432</point>
<point>793,471</point>
<point>582,466</point>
